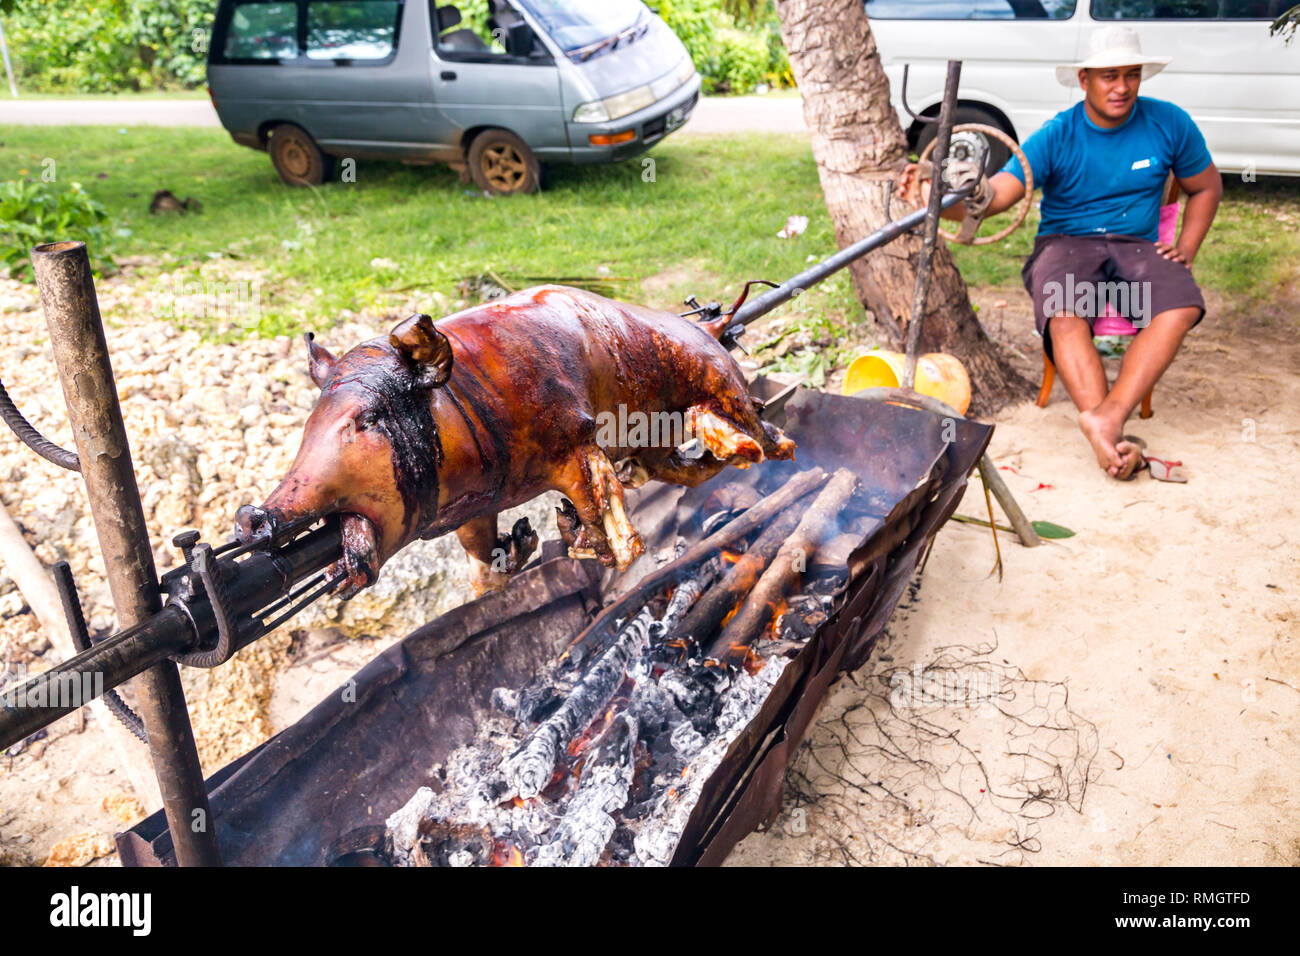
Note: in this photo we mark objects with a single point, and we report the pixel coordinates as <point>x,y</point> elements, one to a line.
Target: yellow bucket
<point>937,374</point>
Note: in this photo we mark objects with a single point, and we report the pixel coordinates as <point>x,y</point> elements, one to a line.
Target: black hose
<point>34,439</point>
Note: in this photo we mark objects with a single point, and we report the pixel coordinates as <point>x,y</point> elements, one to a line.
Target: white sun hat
<point>1112,46</point>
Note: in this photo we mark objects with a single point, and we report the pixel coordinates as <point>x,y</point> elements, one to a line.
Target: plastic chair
<point>1111,322</point>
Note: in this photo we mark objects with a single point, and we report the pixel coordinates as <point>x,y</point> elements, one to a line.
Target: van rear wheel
<point>972,115</point>
<point>501,163</point>
<point>297,158</point>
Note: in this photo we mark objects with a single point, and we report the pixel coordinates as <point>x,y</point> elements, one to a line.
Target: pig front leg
<point>493,557</point>
<point>603,530</point>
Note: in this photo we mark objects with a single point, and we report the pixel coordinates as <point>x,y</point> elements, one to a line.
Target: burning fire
<point>777,614</point>
<point>506,854</point>
<point>730,557</point>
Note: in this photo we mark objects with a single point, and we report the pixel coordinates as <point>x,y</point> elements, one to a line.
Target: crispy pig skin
<point>440,426</point>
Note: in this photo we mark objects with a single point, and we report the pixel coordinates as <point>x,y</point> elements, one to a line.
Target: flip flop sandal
<point>1162,470</point>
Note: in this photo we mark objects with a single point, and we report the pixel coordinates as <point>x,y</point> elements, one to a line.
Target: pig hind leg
<point>493,557</point>
<point>743,444</point>
<point>592,485</point>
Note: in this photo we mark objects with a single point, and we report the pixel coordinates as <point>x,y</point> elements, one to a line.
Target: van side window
<point>971,9</point>
<point>352,29</point>
<point>502,36</point>
<point>1189,9</point>
<point>452,33</point>
<point>263,31</point>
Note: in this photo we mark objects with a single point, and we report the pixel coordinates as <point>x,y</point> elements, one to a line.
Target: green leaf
<point>1046,529</point>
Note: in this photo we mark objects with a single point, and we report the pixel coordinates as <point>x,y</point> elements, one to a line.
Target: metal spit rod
<point>775,298</point>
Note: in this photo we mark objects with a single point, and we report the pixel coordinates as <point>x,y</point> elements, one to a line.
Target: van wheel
<point>501,163</point>
<point>999,154</point>
<point>297,158</point>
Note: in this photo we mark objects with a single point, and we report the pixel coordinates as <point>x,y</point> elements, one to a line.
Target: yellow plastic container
<point>937,374</point>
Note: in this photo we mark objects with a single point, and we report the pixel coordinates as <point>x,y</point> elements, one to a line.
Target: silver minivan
<point>560,81</point>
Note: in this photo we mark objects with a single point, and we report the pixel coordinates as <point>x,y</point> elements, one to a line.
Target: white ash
<point>529,770</point>
<point>588,823</point>
<point>658,839</point>
<point>404,826</point>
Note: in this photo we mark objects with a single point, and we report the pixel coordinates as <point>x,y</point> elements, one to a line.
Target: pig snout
<point>254,524</point>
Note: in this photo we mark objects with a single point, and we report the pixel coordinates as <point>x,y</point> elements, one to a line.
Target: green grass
<point>709,221</point>
<point>706,224</point>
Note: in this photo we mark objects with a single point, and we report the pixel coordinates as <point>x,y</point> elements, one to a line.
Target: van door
<point>369,94</point>
<point>479,83</point>
<point>1240,85</point>
<point>1009,51</point>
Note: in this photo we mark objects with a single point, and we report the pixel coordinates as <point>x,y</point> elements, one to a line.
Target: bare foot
<point>1131,454</point>
<point>1103,434</point>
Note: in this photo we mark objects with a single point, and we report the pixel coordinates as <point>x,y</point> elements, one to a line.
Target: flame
<point>730,614</point>
<point>778,612</point>
<point>579,744</point>
<point>505,854</point>
<point>744,655</point>
<point>730,557</point>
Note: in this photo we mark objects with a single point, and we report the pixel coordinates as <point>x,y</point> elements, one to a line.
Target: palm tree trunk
<point>860,148</point>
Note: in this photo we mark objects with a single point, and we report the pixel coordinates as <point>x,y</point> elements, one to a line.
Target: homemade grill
<point>579,716</point>
<point>446,707</point>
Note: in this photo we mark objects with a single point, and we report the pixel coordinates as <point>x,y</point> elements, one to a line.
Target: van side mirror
<point>520,39</point>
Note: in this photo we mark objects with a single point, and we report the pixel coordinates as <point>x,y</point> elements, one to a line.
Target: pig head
<point>370,450</point>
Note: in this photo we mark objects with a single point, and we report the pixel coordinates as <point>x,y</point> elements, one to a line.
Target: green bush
<point>35,212</point>
<point>734,51</point>
<point>109,45</point>
<point>112,45</point>
<point>742,61</point>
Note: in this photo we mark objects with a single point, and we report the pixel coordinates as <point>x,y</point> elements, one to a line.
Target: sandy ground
<point>1126,696</point>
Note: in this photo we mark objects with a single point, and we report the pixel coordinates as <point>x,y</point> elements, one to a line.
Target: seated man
<point>1102,166</point>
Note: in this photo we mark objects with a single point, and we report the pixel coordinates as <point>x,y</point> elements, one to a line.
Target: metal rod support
<point>946,113</point>
<point>81,353</point>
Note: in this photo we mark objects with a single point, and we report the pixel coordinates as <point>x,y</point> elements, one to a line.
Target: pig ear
<point>320,361</point>
<point>425,347</point>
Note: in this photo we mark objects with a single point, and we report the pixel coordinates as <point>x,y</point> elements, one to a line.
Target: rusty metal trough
<point>318,792</point>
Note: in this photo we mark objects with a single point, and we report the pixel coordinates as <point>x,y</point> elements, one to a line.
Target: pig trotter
<point>570,525</point>
<point>521,543</point>
<point>493,557</point>
<point>606,535</point>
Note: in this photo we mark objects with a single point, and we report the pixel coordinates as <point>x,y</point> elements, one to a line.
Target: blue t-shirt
<point>1098,180</point>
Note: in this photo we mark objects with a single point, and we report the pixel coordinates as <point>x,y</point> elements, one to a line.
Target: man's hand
<point>1006,189</point>
<point>1175,254</point>
<point>913,189</point>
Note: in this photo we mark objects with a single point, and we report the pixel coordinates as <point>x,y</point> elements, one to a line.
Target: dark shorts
<point>1081,274</point>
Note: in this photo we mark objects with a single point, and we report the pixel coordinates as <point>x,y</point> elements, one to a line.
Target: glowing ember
<point>506,854</point>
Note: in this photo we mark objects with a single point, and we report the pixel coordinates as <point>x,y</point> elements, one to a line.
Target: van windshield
<point>574,24</point>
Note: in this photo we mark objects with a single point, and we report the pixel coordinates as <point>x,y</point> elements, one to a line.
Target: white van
<point>1241,86</point>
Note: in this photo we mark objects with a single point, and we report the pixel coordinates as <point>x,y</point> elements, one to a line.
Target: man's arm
<point>1007,191</point>
<point>1204,190</point>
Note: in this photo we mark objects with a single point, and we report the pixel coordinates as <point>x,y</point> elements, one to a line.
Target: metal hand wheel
<point>1021,211</point>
